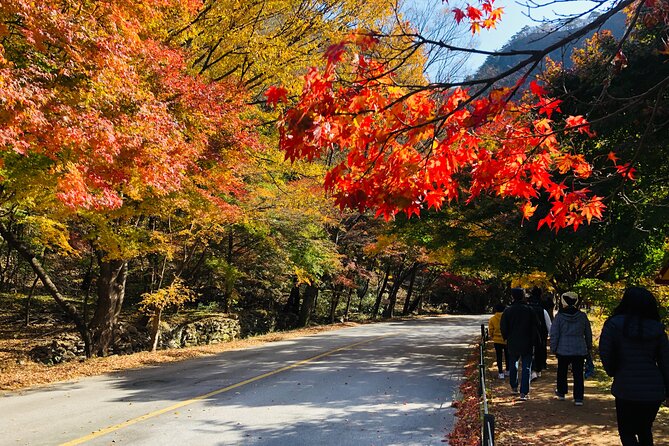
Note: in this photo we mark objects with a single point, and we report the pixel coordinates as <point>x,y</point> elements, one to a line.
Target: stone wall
<point>131,339</point>
<point>65,347</point>
<point>208,330</point>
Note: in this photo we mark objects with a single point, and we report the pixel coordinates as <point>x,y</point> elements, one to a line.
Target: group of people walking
<point>634,350</point>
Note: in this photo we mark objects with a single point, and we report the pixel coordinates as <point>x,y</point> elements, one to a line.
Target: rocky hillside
<point>540,37</point>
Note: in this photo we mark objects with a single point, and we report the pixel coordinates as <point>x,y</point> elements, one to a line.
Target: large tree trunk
<point>293,304</point>
<point>308,303</point>
<point>67,307</point>
<point>334,303</point>
<point>111,292</point>
<point>400,276</point>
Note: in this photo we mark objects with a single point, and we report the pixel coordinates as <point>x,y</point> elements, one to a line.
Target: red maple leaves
<point>481,16</point>
<point>401,151</point>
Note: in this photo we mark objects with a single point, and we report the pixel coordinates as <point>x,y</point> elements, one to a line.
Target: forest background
<point>232,159</point>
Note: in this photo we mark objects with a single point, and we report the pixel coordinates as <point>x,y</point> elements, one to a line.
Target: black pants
<point>576,369</point>
<point>540,356</point>
<point>502,352</point>
<point>635,420</point>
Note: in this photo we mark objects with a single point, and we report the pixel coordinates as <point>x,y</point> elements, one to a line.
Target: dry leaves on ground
<point>21,374</point>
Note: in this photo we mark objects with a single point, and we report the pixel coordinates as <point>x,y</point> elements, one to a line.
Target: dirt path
<point>543,420</point>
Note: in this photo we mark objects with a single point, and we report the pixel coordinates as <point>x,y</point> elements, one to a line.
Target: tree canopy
<point>239,155</point>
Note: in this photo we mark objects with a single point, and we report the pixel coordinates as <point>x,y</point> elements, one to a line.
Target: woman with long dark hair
<point>635,351</point>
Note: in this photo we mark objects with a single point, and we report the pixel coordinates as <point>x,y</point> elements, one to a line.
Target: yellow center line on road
<point>181,404</point>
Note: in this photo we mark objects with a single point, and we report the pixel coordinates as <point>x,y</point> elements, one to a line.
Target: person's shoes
<point>560,396</point>
<point>578,402</point>
<point>534,376</point>
<point>507,374</point>
<point>525,397</point>
<point>514,390</point>
<point>538,374</point>
<point>500,375</point>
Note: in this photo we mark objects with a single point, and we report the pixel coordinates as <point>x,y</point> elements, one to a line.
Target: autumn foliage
<point>397,150</point>
<point>98,92</point>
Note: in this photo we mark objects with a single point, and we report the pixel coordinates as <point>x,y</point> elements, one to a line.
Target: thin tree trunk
<point>379,295</point>
<point>361,296</point>
<point>227,296</point>
<point>389,311</point>
<point>86,285</point>
<point>400,277</point>
<point>5,272</point>
<point>111,292</point>
<point>67,307</point>
<point>348,303</point>
<point>407,299</point>
<point>416,304</point>
<point>155,330</point>
<point>29,298</point>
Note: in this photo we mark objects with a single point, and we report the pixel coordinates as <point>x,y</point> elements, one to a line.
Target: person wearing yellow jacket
<point>495,335</point>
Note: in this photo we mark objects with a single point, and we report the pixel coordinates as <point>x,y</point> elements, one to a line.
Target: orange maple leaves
<point>399,151</point>
<point>111,105</point>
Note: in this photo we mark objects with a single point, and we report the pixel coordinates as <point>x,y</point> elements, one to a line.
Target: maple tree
<point>100,117</point>
<point>404,148</point>
<point>125,135</point>
<point>406,151</point>
<point>627,111</point>
<point>153,304</point>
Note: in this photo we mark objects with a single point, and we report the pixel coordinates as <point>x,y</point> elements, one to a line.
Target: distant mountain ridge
<point>539,37</point>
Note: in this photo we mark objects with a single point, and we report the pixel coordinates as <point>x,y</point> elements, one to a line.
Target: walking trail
<point>543,420</point>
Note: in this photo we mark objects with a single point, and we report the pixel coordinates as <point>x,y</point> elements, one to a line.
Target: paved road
<point>381,384</point>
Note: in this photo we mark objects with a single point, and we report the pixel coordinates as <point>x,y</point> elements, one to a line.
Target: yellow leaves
<point>302,275</point>
<point>50,233</point>
<point>175,295</point>
<point>272,41</point>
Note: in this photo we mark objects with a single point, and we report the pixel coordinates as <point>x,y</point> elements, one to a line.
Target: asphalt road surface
<point>379,384</point>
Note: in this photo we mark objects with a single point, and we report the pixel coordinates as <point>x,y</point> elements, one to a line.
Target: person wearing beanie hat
<point>520,328</point>
<point>571,341</point>
<point>569,299</point>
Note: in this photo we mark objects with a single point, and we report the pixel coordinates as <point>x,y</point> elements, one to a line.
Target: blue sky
<point>515,18</point>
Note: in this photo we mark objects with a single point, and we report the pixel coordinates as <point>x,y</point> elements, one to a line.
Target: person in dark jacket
<point>540,355</point>
<point>571,341</point>
<point>520,328</point>
<point>549,305</point>
<point>634,350</point>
